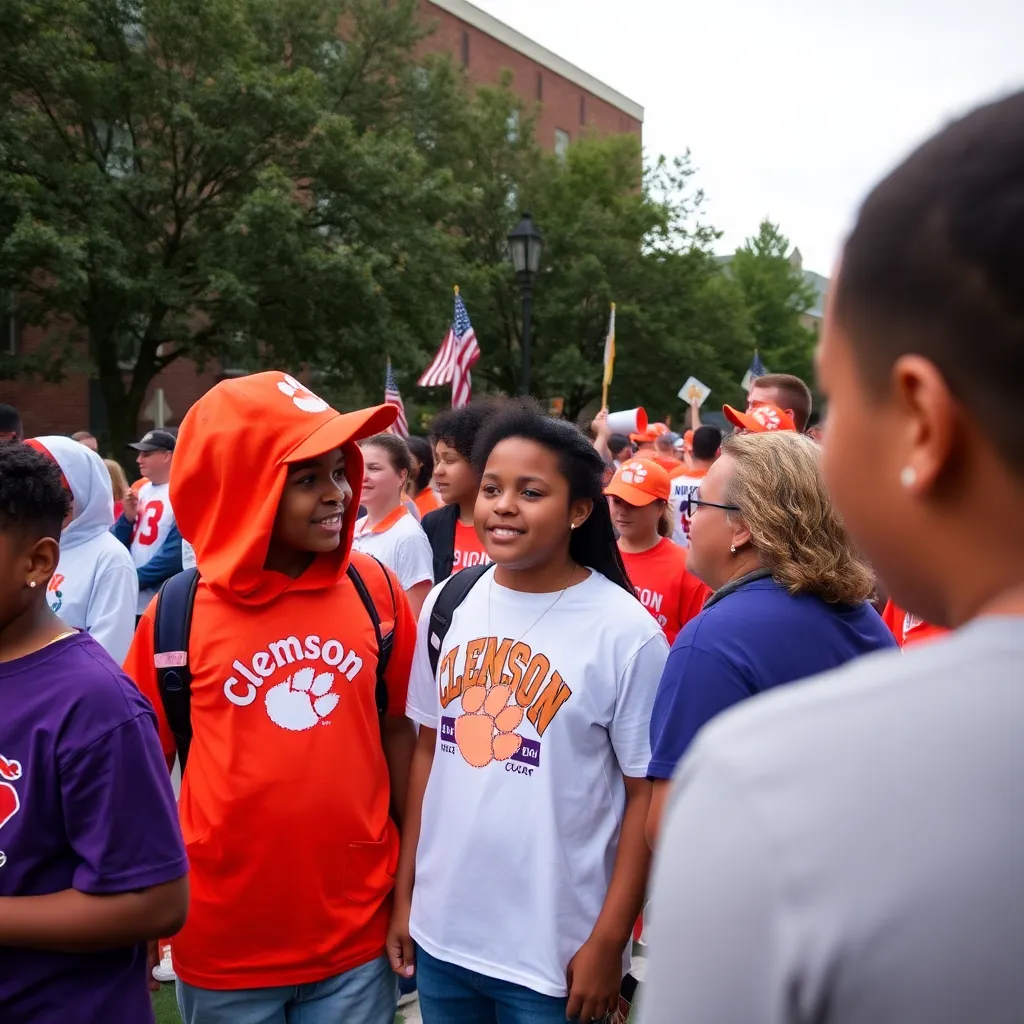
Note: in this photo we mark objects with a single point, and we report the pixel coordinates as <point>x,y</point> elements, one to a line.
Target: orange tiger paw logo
<point>485,731</point>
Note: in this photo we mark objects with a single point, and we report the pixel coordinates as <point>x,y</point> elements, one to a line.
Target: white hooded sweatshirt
<point>95,587</point>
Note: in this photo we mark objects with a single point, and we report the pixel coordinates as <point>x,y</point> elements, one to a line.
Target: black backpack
<point>173,624</point>
<point>453,593</point>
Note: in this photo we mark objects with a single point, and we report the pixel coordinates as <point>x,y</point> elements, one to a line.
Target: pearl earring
<point>733,549</point>
<point>908,476</point>
<point>572,526</point>
<point>32,583</point>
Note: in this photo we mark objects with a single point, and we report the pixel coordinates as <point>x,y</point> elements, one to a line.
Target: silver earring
<point>572,526</point>
<point>908,476</point>
<point>733,549</point>
<point>31,583</point>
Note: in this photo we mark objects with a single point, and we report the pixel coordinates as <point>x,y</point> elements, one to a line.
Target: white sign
<point>694,391</point>
<point>157,411</point>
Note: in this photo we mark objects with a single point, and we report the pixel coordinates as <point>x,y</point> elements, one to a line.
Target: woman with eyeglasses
<point>789,594</point>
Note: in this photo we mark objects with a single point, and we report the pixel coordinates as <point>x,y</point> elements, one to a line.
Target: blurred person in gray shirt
<point>850,850</point>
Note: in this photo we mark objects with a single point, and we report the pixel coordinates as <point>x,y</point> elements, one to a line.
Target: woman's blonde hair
<point>776,482</point>
<point>118,481</point>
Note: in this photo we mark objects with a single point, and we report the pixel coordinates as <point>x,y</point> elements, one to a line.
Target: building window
<point>561,143</point>
<point>583,110</point>
<point>540,86</point>
<point>465,48</point>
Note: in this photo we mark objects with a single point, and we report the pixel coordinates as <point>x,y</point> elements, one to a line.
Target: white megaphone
<point>629,421</point>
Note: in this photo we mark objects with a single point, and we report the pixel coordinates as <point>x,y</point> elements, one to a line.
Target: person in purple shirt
<point>92,864</point>
<point>790,594</point>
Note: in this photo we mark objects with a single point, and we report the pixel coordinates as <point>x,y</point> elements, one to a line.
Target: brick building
<point>569,102</point>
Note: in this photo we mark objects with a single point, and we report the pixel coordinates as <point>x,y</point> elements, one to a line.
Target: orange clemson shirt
<point>284,804</point>
<point>670,592</point>
<point>469,549</point>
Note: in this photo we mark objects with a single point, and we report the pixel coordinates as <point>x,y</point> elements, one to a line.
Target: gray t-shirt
<point>850,850</point>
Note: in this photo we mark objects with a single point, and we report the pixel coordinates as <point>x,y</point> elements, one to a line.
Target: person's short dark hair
<point>422,450</point>
<point>706,442</point>
<point>397,449</point>
<point>82,435</point>
<point>617,443</point>
<point>10,421</point>
<point>33,500</point>
<point>934,266</point>
<point>793,394</point>
<point>459,428</point>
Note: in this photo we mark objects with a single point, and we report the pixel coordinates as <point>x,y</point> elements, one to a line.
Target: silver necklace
<point>558,597</point>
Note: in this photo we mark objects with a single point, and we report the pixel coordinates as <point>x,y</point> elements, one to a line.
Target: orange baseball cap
<point>651,434</point>
<point>760,419</point>
<point>639,482</point>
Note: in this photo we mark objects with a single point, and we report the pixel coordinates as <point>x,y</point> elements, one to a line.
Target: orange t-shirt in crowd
<point>427,501</point>
<point>469,549</point>
<point>907,628</point>
<point>285,800</point>
<point>665,587</point>
<point>666,462</point>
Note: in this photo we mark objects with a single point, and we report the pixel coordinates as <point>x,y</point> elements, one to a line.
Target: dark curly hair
<point>459,428</point>
<point>593,544</point>
<point>33,501</point>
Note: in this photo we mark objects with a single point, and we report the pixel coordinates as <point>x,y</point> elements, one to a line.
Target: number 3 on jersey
<point>147,523</point>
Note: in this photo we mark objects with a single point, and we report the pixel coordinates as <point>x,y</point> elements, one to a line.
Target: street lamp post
<point>525,245</point>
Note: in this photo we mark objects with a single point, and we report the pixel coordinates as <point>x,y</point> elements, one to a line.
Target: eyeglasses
<point>693,503</point>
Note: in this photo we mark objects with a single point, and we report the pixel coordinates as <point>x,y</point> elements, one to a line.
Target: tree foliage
<point>776,296</point>
<point>213,179</point>
<point>247,183</point>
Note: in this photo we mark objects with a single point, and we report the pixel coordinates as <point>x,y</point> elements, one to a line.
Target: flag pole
<point>609,359</point>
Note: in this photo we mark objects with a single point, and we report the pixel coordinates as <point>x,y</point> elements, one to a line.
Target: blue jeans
<point>455,995</point>
<point>364,995</point>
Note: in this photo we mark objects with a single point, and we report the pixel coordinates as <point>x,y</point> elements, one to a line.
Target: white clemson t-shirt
<point>541,707</point>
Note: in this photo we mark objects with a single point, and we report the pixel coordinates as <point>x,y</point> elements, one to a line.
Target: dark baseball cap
<point>155,441</point>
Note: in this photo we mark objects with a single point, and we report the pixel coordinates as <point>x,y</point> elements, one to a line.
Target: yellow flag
<point>609,359</point>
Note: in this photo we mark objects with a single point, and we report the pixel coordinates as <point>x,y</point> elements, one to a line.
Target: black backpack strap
<point>172,625</point>
<point>384,643</point>
<point>452,594</point>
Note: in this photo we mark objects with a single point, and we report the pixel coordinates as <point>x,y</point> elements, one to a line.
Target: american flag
<point>392,396</point>
<point>452,361</point>
<point>468,353</point>
<point>756,370</point>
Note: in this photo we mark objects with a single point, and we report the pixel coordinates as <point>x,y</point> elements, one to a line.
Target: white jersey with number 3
<point>150,530</point>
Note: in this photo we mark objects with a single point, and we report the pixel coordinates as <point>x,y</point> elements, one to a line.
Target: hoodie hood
<point>230,464</point>
<point>89,482</point>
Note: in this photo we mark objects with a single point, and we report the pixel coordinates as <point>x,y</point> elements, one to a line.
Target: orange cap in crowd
<point>639,482</point>
<point>760,419</point>
<point>651,434</point>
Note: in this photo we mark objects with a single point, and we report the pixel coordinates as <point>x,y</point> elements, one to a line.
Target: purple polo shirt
<point>85,803</point>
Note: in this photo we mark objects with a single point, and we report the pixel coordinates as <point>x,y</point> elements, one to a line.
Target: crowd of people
<point>438,703</point>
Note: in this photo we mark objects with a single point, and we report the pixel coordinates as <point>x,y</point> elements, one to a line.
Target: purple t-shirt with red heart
<point>86,804</point>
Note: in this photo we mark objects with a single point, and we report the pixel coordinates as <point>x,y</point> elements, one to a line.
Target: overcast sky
<point>791,108</point>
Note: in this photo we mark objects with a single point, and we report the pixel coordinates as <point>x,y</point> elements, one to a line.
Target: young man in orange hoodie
<point>294,791</point>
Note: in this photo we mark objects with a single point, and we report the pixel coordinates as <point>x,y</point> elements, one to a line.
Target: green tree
<point>613,231</point>
<point>777,297</point>
<point>218,180</point>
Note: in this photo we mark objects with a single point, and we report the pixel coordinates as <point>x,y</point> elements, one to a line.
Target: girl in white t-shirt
<point>524,824</point>
<point>389,531</point>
